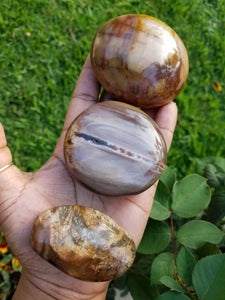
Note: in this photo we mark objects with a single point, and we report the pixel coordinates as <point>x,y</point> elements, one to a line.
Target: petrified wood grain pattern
<point>115,149</point>
<point>140,60</point>
<point>82,242</point>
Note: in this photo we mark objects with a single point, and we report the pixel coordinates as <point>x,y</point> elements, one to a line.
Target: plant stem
<point>173,235</point>
<point>179,280</point>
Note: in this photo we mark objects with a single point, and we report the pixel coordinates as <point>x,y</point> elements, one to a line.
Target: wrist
<point>33,288</point>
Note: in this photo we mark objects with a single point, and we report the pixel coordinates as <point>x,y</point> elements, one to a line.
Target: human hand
<point>23,196</point>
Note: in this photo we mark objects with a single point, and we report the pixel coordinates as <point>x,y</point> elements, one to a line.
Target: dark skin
<point>23,196</point>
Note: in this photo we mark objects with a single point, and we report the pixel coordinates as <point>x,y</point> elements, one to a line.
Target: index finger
<point>166,119</point>
<point>86,93</point>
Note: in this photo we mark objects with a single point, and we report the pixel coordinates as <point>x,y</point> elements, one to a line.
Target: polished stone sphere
<point>140,60</point>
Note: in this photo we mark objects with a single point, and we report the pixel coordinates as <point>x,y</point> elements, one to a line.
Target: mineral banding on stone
<point>115,149</point>
<point>83,242</point>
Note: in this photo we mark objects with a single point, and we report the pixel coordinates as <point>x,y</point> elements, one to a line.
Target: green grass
<point>38,72</point>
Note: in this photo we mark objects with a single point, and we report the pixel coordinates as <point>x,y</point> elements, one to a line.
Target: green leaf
<point>185,264</point>
<point>5,285</point>
<point>163,264</point>
<point>191,196</point>
<point>7,258</point>
<point>139,287</point>
<point>221,178</point>
<point>207,249</point>
<point>171,283</point>
<point>121,282</point>
<point>111,294</point>
<point>143,263</point>
<point>196,233</point>
<point>163,195</point>
<point>172,296</point>
<point>159,212</point>
<point>156,237</point>
<point>210,172</point>
<point>216,209</point>
<point>168,178</point>
<point>218,162</point>
<point>208,277</point>
<point>5,275</point>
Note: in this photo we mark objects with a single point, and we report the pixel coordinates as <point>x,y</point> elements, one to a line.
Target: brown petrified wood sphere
<point>82,242</point>
<point>115,149</point>
<point>140,60</point>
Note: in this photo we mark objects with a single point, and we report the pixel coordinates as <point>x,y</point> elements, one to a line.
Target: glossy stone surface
<point>82,242</point>
<point>115,149</point>
<point>140,60</point>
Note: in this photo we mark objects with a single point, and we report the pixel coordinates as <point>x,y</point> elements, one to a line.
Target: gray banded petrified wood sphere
<point>115,149</point>
<point>83,243</point>
<point>140,60</point>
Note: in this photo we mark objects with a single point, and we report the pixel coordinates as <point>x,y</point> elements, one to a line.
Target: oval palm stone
<point>83,242</point>
<point>115,149</point>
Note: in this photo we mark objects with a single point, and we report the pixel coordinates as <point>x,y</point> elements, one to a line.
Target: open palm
<point>23,196</point>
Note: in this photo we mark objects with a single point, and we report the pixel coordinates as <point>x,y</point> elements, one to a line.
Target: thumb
<point>10,175</point>
<point>12,184</point>
<point>5,154</point>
